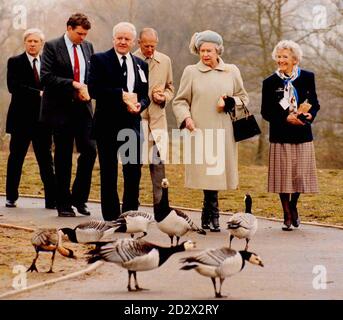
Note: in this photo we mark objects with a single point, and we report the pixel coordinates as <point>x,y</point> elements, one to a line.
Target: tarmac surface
<point>304,264</point>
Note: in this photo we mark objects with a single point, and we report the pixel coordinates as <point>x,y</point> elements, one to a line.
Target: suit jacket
<point>57,76</point>
<point>23,111</point>
<point>105,84</point>
<point>155,117</point>
<point>280,131</point>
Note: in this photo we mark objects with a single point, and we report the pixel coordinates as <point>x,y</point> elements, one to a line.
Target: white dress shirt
<point>31,58</point>
<point>82,62</point>
<point>130,70</point>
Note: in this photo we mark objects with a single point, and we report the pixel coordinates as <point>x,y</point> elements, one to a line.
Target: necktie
<point>76,65</point>
<point>35,73</point>
<point>124,70</point>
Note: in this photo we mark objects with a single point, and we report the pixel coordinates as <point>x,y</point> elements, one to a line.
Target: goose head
<point>252,257</point>
<point>188,245</point>
<point>164,183</point>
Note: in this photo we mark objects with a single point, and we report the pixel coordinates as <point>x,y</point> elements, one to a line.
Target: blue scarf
<point>290,92</point>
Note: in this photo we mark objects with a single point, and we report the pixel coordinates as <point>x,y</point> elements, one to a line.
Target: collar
<point>220,67</point>
<point>128,56</point>
<point>68,41</point>
<point>156,57</point>
<point>32,57</point>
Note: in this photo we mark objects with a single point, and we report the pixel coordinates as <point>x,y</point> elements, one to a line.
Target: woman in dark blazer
<point>290,104</point>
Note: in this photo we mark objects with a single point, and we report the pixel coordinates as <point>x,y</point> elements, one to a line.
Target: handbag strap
<point>233,113</point>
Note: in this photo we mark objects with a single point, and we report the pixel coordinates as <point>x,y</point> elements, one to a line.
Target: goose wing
<point>212,257</point>
<point>181,214</point>
<point>45,237</point>
<point>136,213</point>
<point>242,220</point>
<point>124,250</point>
<point>96,225</point>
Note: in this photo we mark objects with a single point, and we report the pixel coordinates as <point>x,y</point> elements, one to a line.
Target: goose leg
<point>220,289</point>
<point>214,286</point>
<point>132,235</point>
<point>231,238</point>
<point>33,265</point>
<point>171,240</point>
<point>52,261</point>
<point>246,246</point>
<point>177,240</point>
<point>129,280</point>
<point>144,234</point>
<point>138,288</point>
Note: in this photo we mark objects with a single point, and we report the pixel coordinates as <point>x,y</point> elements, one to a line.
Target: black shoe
<point>10,204</point>
<point>214,224</point>
<point>82,208</point>
<point>66,212</point>
<point>295,216</point>
<point>50,205</point>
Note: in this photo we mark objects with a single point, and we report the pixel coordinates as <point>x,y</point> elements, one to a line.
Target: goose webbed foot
<point>219,295</point>
<point>32,268</point>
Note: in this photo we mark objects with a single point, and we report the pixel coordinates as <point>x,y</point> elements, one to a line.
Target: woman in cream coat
<point>213,165</point>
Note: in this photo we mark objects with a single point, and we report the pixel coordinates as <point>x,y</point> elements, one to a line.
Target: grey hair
<point>290,45</point>
<point>31,31</point>
<point>125,25</point>
<point>148,31</point>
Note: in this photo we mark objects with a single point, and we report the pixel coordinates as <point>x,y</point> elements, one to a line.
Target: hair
<point>148,31</point>
<point>79,19</point>
<point>291,46</point>
<point>122,25</point>
<point>37,31</point>
<point>195,44</point>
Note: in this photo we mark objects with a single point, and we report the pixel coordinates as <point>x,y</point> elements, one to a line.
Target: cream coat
<point>197,97</point>
<point>154,118</point>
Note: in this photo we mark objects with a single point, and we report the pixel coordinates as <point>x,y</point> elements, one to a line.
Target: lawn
<point>325,207</point>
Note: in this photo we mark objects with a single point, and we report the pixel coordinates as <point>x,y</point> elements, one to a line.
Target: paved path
<point>293,262</point>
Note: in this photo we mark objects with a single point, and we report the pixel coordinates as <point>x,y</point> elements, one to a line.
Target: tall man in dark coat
<point>23,120</point>
<point>119,83</point>
<point>67,108</point>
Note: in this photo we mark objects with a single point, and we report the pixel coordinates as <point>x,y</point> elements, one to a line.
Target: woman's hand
<point>189,124</point>
<point>292,119</point>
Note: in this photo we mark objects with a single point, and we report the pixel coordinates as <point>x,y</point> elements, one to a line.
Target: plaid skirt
<point>292,168</point>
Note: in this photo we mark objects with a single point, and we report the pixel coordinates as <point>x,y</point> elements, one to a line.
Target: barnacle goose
<point>172,221</point>
<point>134,221</point>
<point>220,263</point>
<point>136,255</point>
<point>91,232</point>
<point>48,240</point>
<point>243,225</point>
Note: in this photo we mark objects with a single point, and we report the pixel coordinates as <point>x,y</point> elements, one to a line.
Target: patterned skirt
<point>292,168</point>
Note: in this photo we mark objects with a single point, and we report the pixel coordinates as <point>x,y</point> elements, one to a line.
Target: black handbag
<point>246,127</point>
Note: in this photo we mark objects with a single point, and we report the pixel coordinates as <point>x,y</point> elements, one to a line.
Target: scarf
<point>290,93</point>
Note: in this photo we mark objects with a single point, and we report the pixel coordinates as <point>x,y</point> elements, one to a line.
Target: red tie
<point>35,73</point>
<point>76,65</point>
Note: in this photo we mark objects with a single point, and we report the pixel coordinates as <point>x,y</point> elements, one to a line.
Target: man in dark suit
<point>23,120</point>
<point>118,82</point>
<point>67,108</point>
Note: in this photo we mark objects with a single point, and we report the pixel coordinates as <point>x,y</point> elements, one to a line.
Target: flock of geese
<point>137,254</point>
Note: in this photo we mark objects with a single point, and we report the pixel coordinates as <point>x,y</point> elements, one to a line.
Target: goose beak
<point>261,264</point>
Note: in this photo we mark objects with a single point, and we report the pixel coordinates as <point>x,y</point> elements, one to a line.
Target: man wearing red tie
<point>22,120</point>
<point>67,108</point>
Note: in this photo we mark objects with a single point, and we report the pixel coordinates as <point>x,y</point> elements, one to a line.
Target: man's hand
<point>83,94</point>
<point>130,98</point>
<point>158,95</point>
